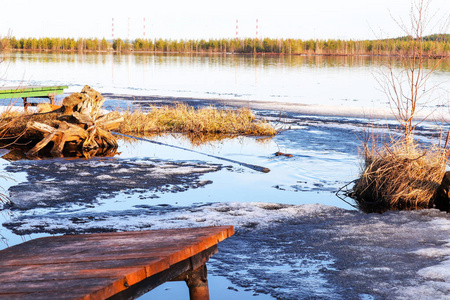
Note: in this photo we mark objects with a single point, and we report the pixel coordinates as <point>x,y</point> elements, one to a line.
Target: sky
<point>204,19</point>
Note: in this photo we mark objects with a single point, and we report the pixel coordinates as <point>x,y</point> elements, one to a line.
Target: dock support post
<point>197,283</point>
<point>51,97</point>
<point>25,104</point>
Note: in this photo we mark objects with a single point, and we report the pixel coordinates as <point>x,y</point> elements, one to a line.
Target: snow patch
<point>241,215</point>
<point>309,250</point>
<point>105,177</point>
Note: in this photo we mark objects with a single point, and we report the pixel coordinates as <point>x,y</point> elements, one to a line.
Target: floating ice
<point>62,183</point>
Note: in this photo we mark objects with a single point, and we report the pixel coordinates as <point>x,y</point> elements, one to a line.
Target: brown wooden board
<point>97,266</point>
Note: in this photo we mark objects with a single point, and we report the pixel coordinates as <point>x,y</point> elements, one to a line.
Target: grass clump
<point>10,113</point>
<point>402,175</point>
<point>187,119</point>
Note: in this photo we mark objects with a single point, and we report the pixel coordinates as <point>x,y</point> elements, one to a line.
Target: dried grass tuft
<point>402,175</point>
<point>184,118</point>
<point>44,108</point>
<point>10,113</point>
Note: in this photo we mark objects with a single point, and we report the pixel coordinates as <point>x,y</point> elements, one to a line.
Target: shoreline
<point>305,54</point>
<point>268,109</point>
<point>288,107</point>
<point>275,107</point>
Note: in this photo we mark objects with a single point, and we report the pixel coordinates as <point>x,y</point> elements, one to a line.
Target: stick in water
<point>250,166</point>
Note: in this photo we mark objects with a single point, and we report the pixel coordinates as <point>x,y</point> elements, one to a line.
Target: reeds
<point>402,175</point>
<point>187,119</point>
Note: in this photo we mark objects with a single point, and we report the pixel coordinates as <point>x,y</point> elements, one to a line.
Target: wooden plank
<point>76,270</point>
<point>69,295</point>
<point>22,94</point>
<point>57,285</point>
<point>32,88</point>
<point>90,271</point>
<point>107,263</point>
<point>31,92</point>
<point>5,89</point>
<point>176,272</point>
<point>105,252</point>
<point>117,246</point>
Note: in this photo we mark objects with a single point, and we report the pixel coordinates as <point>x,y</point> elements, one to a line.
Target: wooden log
<point>58,146</point>
<point>41,144</point>
<point>65,133</point>
<point>44,128</point>
<point>90,142</point>
<point>91,107</point>
<point>69,103</point>
<point>83,118</point>
<point>107,137</point>
<point>110,121</point>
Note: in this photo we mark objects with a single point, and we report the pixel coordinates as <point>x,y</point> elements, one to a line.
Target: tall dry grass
<point>402,175</point>
<point>184,118</point>
<point>9,113</point>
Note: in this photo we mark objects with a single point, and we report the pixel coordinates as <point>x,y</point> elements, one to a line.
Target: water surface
<point>344,82</point>
<point>294,238</point>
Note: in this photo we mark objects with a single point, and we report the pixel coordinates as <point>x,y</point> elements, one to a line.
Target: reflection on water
<point>345,81</point>
<point>228,60</point>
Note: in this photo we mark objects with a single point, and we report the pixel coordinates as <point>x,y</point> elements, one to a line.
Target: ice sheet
<point>299,251</point>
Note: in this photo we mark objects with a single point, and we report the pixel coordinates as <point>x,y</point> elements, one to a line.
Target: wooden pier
<point>26,92</point>
<point>118,265</point>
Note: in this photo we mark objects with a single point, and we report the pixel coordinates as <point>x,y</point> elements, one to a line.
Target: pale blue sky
<point>181,19</point>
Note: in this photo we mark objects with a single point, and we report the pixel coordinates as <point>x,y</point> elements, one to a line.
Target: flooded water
<point>295,239</point>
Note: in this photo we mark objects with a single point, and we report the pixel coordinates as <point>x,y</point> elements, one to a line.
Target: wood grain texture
<point>98,266</point>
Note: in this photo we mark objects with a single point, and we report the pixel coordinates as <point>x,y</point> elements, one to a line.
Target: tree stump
<point>78,120</point>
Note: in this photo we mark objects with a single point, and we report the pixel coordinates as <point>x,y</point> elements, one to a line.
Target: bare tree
<point>401,173</point>
<point>406,87</point>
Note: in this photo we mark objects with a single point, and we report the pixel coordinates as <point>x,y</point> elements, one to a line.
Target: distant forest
<point>433,45</point>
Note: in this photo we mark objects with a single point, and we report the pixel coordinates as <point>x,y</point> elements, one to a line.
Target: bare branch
<point>406,89</point>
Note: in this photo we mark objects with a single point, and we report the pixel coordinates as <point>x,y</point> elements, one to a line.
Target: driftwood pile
<point>77,123</point>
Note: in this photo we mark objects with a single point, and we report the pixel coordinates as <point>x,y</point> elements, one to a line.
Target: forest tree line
<point>433,45</point>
